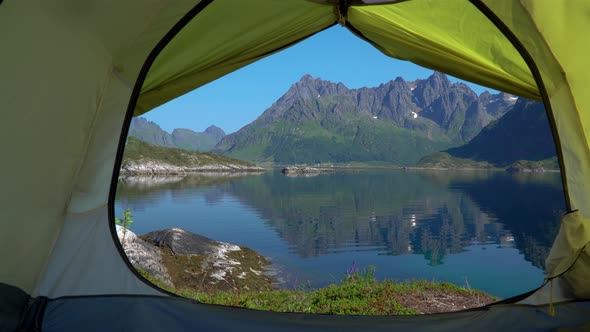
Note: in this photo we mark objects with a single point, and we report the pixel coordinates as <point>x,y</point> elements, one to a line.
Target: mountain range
<point>523,134</point>
<point>398,122</point>
<point>186,139</point>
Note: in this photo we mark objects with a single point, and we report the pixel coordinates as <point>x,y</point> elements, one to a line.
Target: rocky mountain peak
<point>215,132</point>
<point>430,89</point>
<point>439,79</point>
<point>306,78</point>
<point>309,87</point>
<point>399,79</point>
<point>485,95</point>
<point>143,122</point>
<point>308,81</point>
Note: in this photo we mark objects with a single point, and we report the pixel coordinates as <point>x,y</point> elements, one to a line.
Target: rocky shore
<point>149,167</point>
<point>305,170</point>
<point>187,261</point>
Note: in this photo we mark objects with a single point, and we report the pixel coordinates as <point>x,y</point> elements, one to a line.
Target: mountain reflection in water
<point>324,222</point>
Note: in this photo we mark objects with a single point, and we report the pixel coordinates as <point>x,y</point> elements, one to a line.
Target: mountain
<point>186,139</point>
<point>397,122</point>
<point>150,132</point>
<point>523,134</point>
<point>194,141</point>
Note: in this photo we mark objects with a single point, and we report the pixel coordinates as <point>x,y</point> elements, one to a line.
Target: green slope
<point>137,150</point>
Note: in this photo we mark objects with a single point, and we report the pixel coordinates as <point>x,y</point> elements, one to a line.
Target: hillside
<point>186,139</point>
<point>397,122</point>
<point>521,138</point>
<point>144,158</point>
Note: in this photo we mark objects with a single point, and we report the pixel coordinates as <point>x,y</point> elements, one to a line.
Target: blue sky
<point>238,98</point>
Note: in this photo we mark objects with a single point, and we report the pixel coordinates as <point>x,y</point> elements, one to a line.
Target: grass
<point>194,272</point>
<point>360,293</point>
<point>156,281</point>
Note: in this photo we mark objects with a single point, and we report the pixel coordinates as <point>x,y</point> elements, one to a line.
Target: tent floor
<point>153,313</point>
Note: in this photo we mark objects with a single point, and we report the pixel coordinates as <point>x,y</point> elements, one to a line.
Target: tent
<point>74,72</point>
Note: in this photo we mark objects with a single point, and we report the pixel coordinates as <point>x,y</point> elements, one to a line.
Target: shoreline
<point>150,167</point>
<point>335,169</point>
<point>196,172</point>
<point>356,168</point>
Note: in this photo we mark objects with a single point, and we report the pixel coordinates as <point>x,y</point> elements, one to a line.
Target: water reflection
<point>433,214</point>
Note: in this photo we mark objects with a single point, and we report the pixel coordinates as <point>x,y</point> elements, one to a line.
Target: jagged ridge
<point>396,122</point>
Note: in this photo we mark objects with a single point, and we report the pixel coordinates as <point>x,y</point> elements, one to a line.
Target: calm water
<point>490,230</point>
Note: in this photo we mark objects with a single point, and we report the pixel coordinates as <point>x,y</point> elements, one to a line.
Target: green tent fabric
<point>73,73</point>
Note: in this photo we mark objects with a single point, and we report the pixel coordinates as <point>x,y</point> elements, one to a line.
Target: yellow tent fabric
<point>70,69</point>
<point>443,36</point>
<point>208,47</point>
<point>555,36</point>
<point>446,36</point>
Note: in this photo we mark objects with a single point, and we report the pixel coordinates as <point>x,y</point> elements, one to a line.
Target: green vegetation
<point>530,165</point>
<point>445,160</point>
<point>360,293</point>
<point>137,150</point>
<point>195,272</point>
<point>354,139</point>
<point>155,281</point>
<point>125,222</point>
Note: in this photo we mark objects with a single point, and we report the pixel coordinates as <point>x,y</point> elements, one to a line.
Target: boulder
<point>181,242</point>
<point>143,255</point>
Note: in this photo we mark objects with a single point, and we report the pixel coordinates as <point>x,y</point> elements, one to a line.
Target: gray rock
<point>217,265</point>
<point>305,170</point>
<point>143,255</point>
<point>181,242</point>
<point>150,167</point>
